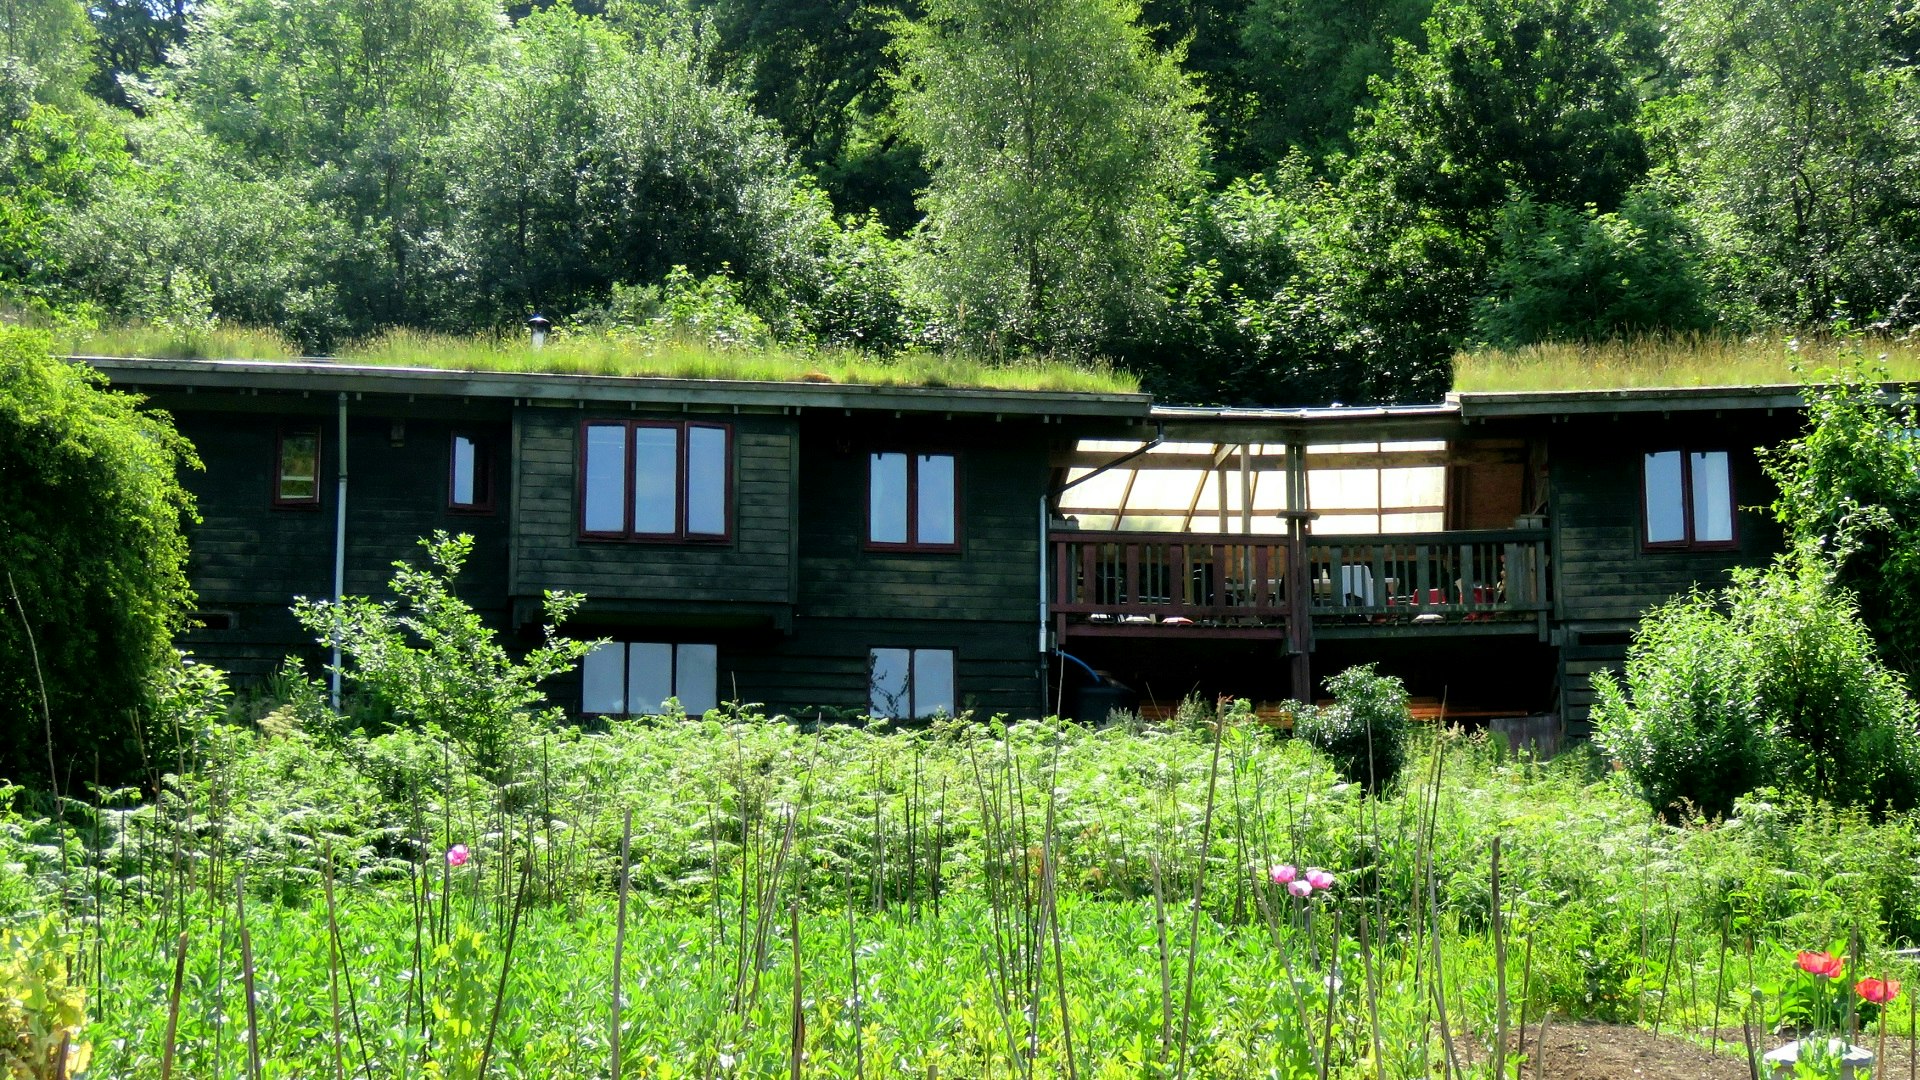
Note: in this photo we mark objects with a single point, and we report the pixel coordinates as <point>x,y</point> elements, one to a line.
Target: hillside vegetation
<point>1242,201</point>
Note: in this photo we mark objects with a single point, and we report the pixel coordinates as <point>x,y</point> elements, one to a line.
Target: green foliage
<point>1583,275</point>
<point>1686,725</point>
<point>1790,146</point>
<point>189,236</point>
<point>51,163</point>
<point>580,158</point>
<point>1058,139</point>
<point>1313,64</point>
<point>1365,731</point>
<point>1775,684</point>
<point>1850,487</point>
<point>43,1013</point>
<point>458,679</point>
<point>92,538</point>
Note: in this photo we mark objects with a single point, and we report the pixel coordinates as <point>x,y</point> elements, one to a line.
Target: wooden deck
<point>1140,584</point>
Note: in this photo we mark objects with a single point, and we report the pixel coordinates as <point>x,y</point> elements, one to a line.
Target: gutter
<point>339,546</point>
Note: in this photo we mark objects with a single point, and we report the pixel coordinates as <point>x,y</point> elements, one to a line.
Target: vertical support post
<point>1246,489</point>
<point>1299,584</point>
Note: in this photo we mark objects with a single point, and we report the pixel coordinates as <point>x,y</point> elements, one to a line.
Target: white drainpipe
<point>340,544</point>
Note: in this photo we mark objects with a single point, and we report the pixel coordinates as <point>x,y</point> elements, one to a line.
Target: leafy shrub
<point>94,555</point>
<point>1772,681</point>
<point>458,679</point>
<point>1851,485</point>
<point>42,1012</point>
<point>1364,731</point>
<point>1582,275</point>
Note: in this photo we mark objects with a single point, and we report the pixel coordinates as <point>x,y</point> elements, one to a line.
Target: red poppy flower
<point>1878,991</point>
<point>1825,965</point>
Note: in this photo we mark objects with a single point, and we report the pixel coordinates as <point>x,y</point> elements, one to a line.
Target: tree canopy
<point>1275,201</point>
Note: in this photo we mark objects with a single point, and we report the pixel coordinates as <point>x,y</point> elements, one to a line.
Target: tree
<point>1791,142</point>
<point>1058,141</point>
<point>44,53</point>
<point>92,540</point>
<point>1584,275</point>
<point>52,163</point>
<point>1311,64</point>
<point>1850,488</point>
<point>579,160</point>
<point>351,92</point>
<point>190,235</point>
<point>131,40</point>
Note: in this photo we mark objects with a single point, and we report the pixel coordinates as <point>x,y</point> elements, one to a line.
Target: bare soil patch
<point>1592,1051</point>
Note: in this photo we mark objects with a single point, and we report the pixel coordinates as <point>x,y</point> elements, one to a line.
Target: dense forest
<point>1244,200</point>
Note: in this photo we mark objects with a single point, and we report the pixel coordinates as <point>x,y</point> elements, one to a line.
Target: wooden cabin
<point>915,551</point>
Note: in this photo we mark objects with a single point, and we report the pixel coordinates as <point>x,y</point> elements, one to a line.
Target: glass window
<point>1712,497</point>
<point>297,472</point>
<point>649,675</point>
<point>637,677</point>
<point>603,680</point>
<point>1666,505</point>
<point>887,499</point>
<point>934,502</point>
<point>470,486</point>
<point>604,502</point>
<point>706,481</point>
<point>912,500</point>
<point>1688,498</point>
<point>910,683</point>
<point>656,480</point>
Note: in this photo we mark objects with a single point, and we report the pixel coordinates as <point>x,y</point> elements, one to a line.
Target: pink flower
<point>1300,889</point>
<point>1878,991</point>
<point>1319,878</point>
<point>1825,965</point>
<point>457,855</point>
<point>1281,874</point>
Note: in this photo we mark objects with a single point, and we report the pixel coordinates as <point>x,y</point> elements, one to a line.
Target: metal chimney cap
<point>539,322</point>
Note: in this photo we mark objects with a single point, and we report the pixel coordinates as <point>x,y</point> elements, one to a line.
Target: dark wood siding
<point>250,559</point>
<point>1604,578</point>
<point>754,567</point>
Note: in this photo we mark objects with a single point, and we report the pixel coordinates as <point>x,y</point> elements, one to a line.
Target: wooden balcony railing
<point>1129,578</point>
<point>1476,574</point>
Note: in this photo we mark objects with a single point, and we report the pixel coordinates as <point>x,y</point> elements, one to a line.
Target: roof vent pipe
<point>539,325</point>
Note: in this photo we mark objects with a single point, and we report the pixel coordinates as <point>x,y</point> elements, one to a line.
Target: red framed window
<point>910,684</point>
<point>913,501</point>
<point>296,467</point>
<point>469,474</point>
<point>635,678</point>
<point>1687,500</point>
<point>656,480</point>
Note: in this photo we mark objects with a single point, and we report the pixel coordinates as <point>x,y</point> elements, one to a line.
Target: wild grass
<point>1682,361</point>
<point>981,899</point>
<point>597,354</point>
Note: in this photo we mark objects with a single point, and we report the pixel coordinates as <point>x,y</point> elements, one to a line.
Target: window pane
<point>602,680</point>
<point>656,480</point>
<point>1712,497</point>
<point>299,466</point>
<point>1666,509</point>
<point>706,482</point>
<point>465,478</point>
<point>887,499</point>
<point>649,676</point>
<point>936,493</point>
<point>605,503</point>
<point>932,682</point>
<point>697,678</point>
<point>887,682</point>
